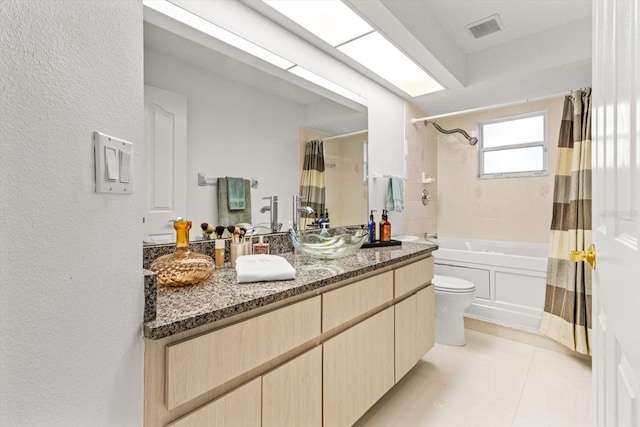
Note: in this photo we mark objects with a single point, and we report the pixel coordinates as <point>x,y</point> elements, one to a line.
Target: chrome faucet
<point>273,212</point>
<point>298,209</point>
<point>428,236</point>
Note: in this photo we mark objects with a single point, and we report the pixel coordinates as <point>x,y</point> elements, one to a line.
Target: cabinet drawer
<point>241,407</point>
<point>411,276</point>
<point>202,363</point>
<point>348,302</point>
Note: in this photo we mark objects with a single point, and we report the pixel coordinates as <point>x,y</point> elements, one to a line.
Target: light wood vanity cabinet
<point>413,335</point>
<point>240,407</point>
<point>324,360</point>
<point>357,369</point>
<point>292,393</point>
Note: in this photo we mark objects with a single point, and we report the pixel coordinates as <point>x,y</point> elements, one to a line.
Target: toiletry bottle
<point>320,221</point>
<point>260,247</point>
<point>324,232</point>
<point>385,227</point>
<point>326,218</point>
<point>219,249</point>
<point>372,227</point>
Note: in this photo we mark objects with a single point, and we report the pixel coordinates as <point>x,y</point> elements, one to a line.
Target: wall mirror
<point>239,117</point>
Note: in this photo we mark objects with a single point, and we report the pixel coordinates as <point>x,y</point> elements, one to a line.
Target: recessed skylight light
<point>204,26</point>
<point>321,81</point>
<point>331,20</point>
<point>380,56</point>
<point>338,25</point>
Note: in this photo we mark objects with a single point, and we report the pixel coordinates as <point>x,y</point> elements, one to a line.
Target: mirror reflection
<point>210,116</point>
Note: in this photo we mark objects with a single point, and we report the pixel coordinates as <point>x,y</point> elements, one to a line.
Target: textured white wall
<point>71,298</point>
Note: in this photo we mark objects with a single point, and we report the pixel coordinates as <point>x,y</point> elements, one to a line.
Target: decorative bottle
<point>183,267</point>
<point>385,227</point>
<point>372,227</point>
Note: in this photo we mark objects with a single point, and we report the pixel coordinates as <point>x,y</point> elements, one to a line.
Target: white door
<point>616,216</point>
<point>165,182</point>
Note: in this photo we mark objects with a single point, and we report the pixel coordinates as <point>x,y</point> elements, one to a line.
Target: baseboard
<point>535,339</point>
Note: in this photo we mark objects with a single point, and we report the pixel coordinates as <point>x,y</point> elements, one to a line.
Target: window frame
<point>544,144</point>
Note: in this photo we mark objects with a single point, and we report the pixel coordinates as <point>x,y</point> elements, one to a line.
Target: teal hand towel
<point>395,194</point>
<point>227,217</point>
<point>236,194</point>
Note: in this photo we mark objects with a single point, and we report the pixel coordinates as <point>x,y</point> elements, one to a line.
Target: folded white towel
<point>263,268</point>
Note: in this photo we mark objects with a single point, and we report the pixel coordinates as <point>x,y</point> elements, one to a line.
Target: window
<point>513,146</point>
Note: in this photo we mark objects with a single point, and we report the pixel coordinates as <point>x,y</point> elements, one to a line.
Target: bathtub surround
<point>420,160</point>
<point>567,315</point>
<point>509,209</point>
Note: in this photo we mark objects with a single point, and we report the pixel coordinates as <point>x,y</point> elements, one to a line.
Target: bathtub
<point>510,278</point>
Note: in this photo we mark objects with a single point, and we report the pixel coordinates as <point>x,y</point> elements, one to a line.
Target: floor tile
<point>557,392</point>
<point>522,421</point>
<point>490,382</point>
<point>487,368</point>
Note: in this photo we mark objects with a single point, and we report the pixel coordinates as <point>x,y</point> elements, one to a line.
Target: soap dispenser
<point>385,227</point>
<point>372,227</point>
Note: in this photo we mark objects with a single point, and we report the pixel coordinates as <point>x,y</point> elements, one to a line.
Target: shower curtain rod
<point>489,107</point>
<point>346,134</point>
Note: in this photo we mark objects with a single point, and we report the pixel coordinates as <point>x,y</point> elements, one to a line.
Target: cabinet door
<point>358,369</point>
<point>414,330</point>
<point>426,305</point>
<point>240,407</point>
<point>292,393</point>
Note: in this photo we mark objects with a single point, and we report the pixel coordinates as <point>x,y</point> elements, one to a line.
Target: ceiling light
<point>181,15</point>
<point>331,20</point>
<point>338,25</point>
<point>321,81</point>
<point>383,58</point>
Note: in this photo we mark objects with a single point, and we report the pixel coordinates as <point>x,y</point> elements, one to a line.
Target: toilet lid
<point>452,284</point>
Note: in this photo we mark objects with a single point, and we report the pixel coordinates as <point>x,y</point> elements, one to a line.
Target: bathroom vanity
<point>317,350</point>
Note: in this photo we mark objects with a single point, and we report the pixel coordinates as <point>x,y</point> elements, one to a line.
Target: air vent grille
<point>486,26</point>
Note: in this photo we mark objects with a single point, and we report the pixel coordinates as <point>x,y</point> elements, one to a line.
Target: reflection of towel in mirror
<point>395,194</point>
<point>227,217</point>
<point>263,268</point>
<point>235,194</point>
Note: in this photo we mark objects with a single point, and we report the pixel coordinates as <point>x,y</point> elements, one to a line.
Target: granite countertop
<point>181,309</point>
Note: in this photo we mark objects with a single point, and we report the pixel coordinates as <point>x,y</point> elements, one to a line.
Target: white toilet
<point>453,296</point>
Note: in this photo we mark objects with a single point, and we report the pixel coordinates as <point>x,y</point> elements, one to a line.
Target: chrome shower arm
<point>472,139</point>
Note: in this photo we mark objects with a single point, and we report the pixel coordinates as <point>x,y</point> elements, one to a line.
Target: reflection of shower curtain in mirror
<point>312,184</point>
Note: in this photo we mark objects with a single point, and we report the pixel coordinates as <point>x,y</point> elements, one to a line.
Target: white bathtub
<point>510,278</point>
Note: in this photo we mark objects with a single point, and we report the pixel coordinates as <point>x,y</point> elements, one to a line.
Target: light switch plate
<point>113,174</point>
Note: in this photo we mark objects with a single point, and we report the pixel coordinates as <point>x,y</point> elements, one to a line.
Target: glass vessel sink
<point>329,243</point>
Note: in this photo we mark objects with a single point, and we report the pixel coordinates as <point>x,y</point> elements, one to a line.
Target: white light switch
<point>113,162</point>
<point>125,166</point>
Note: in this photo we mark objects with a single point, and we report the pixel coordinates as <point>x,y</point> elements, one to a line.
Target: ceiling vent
<point>486,26</point>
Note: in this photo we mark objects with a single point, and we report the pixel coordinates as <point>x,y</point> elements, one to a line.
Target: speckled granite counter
<point>181,309</point>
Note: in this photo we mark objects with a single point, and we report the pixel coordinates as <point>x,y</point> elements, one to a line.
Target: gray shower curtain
<point>567,316</point>
<point>312,183</point>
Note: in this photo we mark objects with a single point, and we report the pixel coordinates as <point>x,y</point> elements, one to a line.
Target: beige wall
<point>421,157</point>
<point>517,209</point>
<point>346,191</point>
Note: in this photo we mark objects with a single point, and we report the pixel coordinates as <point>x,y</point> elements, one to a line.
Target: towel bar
<point>203,180</point>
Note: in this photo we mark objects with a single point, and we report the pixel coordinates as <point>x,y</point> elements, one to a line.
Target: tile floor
<point>490,382</point>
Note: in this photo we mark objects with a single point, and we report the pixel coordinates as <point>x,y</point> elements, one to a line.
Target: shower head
<point>472,139</point>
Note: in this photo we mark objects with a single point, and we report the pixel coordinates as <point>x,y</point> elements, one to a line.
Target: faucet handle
<point>268,197</point>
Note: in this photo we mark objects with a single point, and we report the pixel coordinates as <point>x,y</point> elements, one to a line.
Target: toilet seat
<point>453,285</point>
